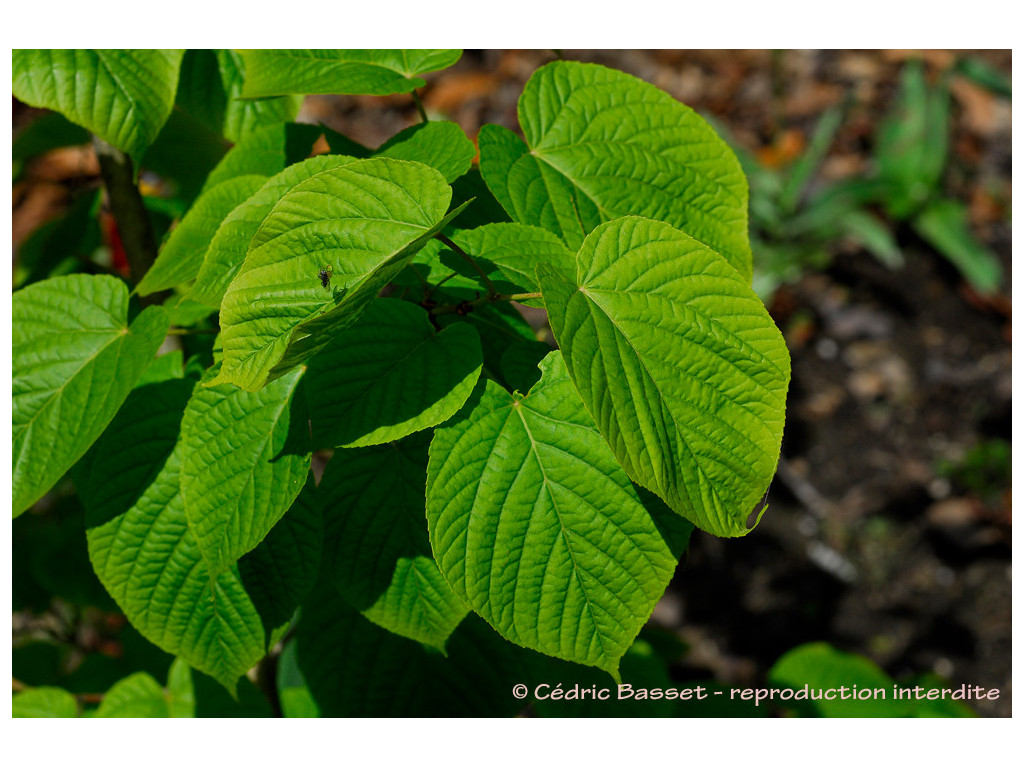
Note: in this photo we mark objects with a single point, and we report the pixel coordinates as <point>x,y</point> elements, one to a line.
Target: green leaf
<point>75,359</point>
<point>230,242</point>
<point>265,152</point>
<point>985,75</point>
<point>377,546</point>
<point>246,457</point>
<point>874,235</point>
<point>182,255</point>
<point>680,365</point>
<point>356,669</point>
<point>147,556</point>
<point>210,88</point>
<point>485,209</point>
<point>819,665</point>
<point>912,142</point>
<point>280,572</point>
<point>46,701</point>
<point>362,222</point>
<point>534,524</point>
<point>379,72</point>
<point>292,691</point>
<point>181,695</point>
<point>123,96</point>
<point>601,144</point>
<point>810,160</point>
<point>944,224</point>
<point>138,695</point>
<point>440,144</point>
<point>509,254</point>
<point>389,375</point>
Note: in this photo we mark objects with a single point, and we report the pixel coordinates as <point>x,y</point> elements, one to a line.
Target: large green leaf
<point>246,457</point>
<point>601,144</point>
<point>147,556</point>
<point>230,242</point>
<point>389,375</point>
<point>74,359</point>
<point>680,365</point>
<point>182,255</point>
<point>362,222</point>
<point>440,144</point>
<point>353,668</point>
<point>210,88</point>
<point>374,72</point>
<point>378,552</point>
<point>534,524</point>
<point>123,96</point>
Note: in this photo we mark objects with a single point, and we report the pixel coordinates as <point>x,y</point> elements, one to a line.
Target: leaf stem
<point>431,288</point>
<point>491,292</point>
<point>465,307</point>
<point>419,106</point>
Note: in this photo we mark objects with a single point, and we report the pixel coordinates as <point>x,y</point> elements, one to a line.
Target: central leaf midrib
<point>561,525</point>
<point>661,396</point>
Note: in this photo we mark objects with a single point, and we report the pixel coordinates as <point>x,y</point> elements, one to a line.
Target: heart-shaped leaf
<point>601,144</point>
<point>75,358</point>
<point>680,365</point>
<point>147,556</point>
<point>231,240</point>
<point>123,96</point>
<point>358,225</point>
<point>535,525</point>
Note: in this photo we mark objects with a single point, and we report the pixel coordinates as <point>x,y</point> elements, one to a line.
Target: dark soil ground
<point>888,532</point>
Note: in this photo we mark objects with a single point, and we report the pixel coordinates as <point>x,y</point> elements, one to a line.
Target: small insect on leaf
<point>325,275</point>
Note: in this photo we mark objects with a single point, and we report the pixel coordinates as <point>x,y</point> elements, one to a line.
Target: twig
<point>129,211</point>
<point>465,307</point>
